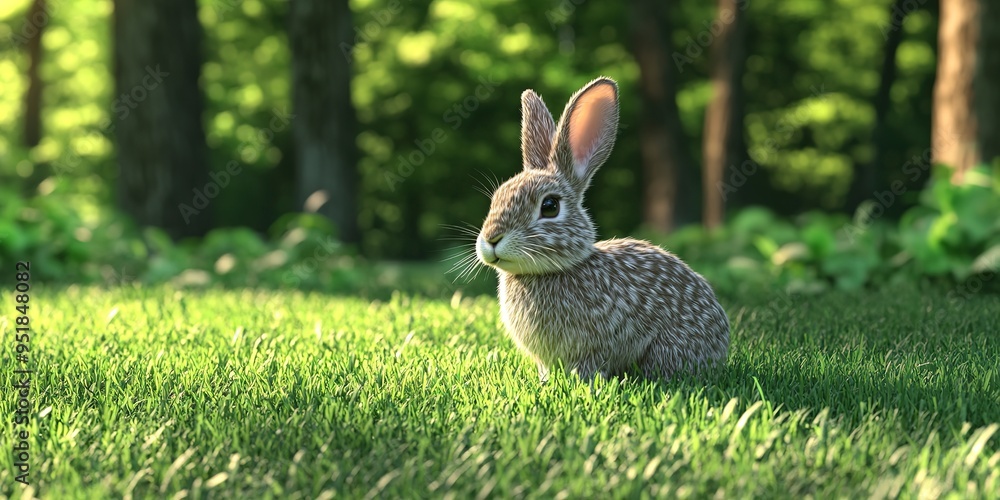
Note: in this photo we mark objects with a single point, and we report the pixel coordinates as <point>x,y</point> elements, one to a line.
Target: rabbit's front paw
<point>543,372</point>
<point>589,368</point>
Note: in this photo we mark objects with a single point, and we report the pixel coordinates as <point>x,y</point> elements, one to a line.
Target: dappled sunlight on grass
<point>291,391</point>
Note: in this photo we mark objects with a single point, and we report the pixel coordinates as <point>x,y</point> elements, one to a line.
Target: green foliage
<point>159,392</point>
<point>956,229</point>
<point>48,231</point>
<point>67,237</point>
<point>808,86</point>
<point>425,141</point>
<point>954,233</point>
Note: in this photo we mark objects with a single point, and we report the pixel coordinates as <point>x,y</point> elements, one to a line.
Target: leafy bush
<point>953,233</point>
<point>69,239</point>
<point>66,237</point>
<point>302,252</point>
<point>956,228</point>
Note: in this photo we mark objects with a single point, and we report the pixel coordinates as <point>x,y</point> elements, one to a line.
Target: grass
<point>162,393</point>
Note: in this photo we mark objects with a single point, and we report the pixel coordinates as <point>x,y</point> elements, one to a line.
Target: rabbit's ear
<point>537,131</point>
<point>586,132</point>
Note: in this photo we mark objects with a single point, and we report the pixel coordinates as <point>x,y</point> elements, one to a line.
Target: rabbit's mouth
<point>506,265</point>
<point>493,260</point>
<point>487,251</point>
<point>509,266</point>
<point>504,254</point>
<point>488,255</point>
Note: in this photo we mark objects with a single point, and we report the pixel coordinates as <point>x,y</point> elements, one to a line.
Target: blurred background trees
<point>668,167</point>
<point>375,119</point>
<point>157,114</point>
<point>722,141</point>
<point>33,97</point>
<point>965,85</point>
<point>325,152</point>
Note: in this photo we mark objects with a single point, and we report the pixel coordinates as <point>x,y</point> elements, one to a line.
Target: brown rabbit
<point>596,307</point>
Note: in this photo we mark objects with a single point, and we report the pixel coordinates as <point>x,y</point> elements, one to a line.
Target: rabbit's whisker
<point>467,229</point>
<point>465,261</point>
<point>466,274</point>
<point>464,254</point>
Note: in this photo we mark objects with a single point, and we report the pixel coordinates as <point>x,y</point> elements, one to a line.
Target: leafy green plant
<point>955,230</point>
<point>952,234</point>
<point>63,245</point>
<point>49,232</point>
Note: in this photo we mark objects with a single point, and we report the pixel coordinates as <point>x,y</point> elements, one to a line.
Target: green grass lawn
<point>163,393</point>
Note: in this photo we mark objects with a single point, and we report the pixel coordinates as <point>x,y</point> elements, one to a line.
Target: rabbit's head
<point>537,223</point>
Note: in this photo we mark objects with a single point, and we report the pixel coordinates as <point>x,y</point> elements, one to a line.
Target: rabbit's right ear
<point>587,132</point>
<point>537,130</point>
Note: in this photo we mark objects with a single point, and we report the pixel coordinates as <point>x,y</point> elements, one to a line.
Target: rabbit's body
<point>601,317</point>
<point>595,307</point>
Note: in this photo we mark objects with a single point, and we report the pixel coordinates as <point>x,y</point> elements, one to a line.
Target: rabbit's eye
<point>550,207</point>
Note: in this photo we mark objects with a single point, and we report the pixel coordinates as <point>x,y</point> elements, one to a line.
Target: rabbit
<point>597,308</point>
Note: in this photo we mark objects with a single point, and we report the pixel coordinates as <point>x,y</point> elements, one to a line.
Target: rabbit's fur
<point>595,307</point>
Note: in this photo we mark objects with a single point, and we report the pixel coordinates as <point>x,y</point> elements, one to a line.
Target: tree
<point>954,130</point>
<point>666,161</point>
<point>865,178</point>
<point>163,177</point>
<point>37,20</point>
<point>324,127</point>
<point>722,142</point>
<point>987,84</point>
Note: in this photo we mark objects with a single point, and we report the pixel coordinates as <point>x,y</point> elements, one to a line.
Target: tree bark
<point>665,160</point>
<point>721,142</point>
<point>866,180</point>
<point>325,126</point>
<point>987,84</point>
<point>158,108</point>
<point>954,128</point>
<point>38,19</point>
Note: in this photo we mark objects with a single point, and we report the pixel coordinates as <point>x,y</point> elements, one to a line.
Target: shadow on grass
<point>910,353</point>
<point>855,398</point>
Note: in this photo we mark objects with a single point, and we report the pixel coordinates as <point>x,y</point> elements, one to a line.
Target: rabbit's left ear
<point>537,129</point>
<point>586,132</point>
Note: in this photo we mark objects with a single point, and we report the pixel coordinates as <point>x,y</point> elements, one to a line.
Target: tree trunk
<point>38,19</point>
<point>324,127</point>
<point>723,122</point>
<point>954,135</point>
<point>666,161</point>
<point>163,179</point>
<point>866,176</point>
<point>987,84</point>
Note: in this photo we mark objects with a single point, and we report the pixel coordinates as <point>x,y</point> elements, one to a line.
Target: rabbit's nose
<point>494,240</point>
